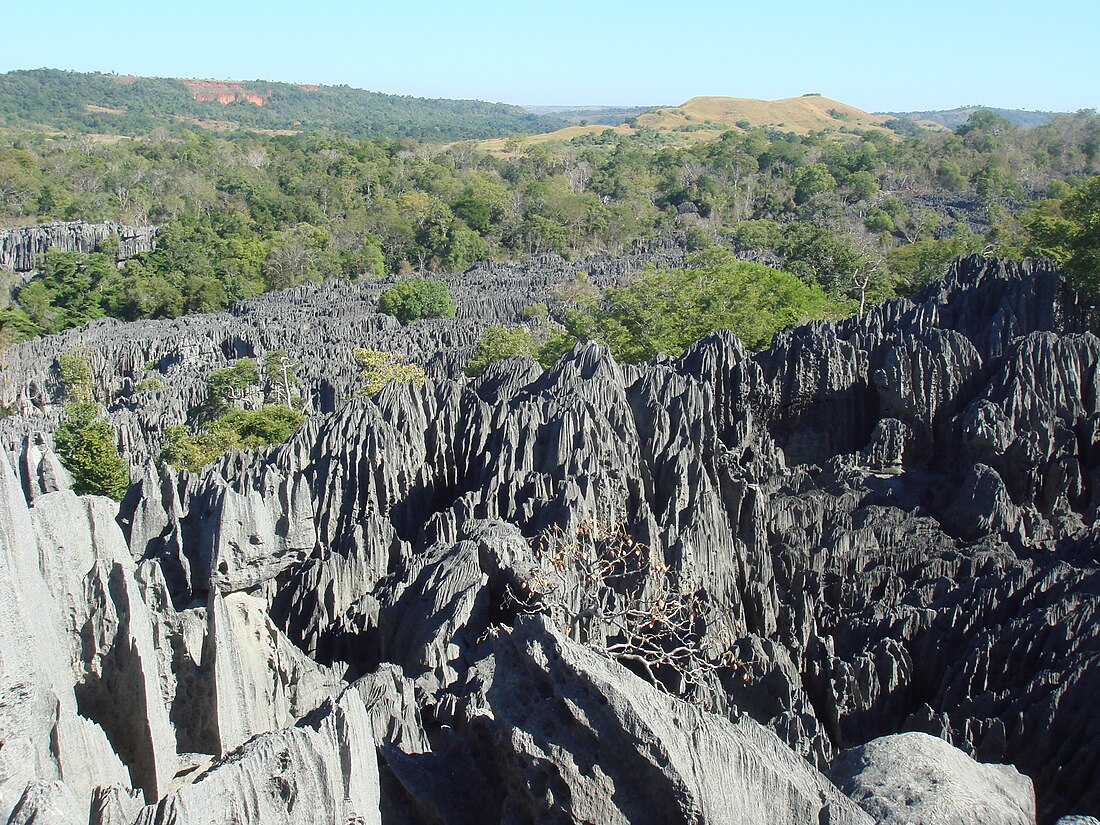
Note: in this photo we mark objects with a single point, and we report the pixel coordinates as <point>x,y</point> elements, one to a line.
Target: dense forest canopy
<point>75,102</point>
<point>859,216</point>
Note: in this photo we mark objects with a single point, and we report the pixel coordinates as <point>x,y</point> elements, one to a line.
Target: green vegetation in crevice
<point>221,424</point>
<point>498,343</point>
<point>415,299</point>
<point>667,310</point>
<point>378,368</point>
<point>84,442</point>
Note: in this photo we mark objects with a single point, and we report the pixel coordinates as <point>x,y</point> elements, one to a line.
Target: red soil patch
<point>223,91</point>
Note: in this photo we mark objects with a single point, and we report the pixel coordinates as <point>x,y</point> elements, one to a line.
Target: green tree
<point>474,212</point>
<point>86,446</point>
<point>185,450</point>
<point>231,383</point>
<point>416,298</point>
<point>75,370</point>
<point>812,180</point>
<point>281,373</point>
<point>1071,236</point>
<point>271,424</point>
<point>379,368</point>
<point>498,344</point>
<point>667,310</point>
<point>236,430</point>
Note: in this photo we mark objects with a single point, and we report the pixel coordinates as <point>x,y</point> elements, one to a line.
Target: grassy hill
<point>119,104</point>
<point>706,118</point>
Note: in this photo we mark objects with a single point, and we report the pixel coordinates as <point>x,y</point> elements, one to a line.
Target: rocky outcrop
<point>319,325</point>
<point>584,740</point>
<point>884,525</point>
<point>21,247</point>
<point>914,778</point>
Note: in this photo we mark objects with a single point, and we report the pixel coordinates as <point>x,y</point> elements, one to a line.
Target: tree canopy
<point>414,299</point>
<point>667,310</point>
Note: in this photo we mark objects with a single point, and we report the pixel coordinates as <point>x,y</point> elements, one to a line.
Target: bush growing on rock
<point>667,310</point>
<point>499,344</point>
<point>222,426</point>
<point>379,368</point>
<point>231,383</point>
<point>75,372</point>
<point>86,446</point>
<point>416,298</point>
<point>236,430</point>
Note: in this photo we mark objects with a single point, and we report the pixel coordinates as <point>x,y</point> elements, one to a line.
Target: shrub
<point>667,310</point>
<point>416,298</point>
<point>379,368</point>
<point>236,430</point>
<point>189,451</point>
<point>231,383</point>
<point>498,344</point>
<point>75,370</point>
<point>271,424</point>
<point>86,446</point>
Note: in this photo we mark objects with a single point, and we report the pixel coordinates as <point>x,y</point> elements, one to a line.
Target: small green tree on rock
<point>416,298</point>
<point>498,344</point>
<point>84,442</point>
<point>379,368</point>
<point>86,445</point>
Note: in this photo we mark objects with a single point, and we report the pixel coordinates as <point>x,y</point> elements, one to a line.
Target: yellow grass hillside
<point>810,113</point>
<point>705,118</point>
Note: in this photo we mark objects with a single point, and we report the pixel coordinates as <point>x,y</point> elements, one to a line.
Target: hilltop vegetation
<point>74,102</point>
<point>860,215</point>
<point>954,118</point>
<point>704,119</point>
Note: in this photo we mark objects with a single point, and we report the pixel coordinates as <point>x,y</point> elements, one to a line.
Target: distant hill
<point>952,118</point>
<point>706,118</point>
<point>122,104</point>
<point>577,115</point>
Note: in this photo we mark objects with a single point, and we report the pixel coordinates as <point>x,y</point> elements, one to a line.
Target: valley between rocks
<point>893,520</point>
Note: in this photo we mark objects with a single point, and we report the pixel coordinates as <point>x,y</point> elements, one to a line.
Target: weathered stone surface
<point>314,774</point>
<point>52,802</point>
<point>44,736</point>
<point>591,742</point>
<point>917,779</point>
<point>22,246</point>
<point>261,681</point>
<point>890,519</point>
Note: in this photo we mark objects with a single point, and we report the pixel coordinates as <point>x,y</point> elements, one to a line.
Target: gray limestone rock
<point>889,521</point>
<point>592,742</point>
<point>917,779</point>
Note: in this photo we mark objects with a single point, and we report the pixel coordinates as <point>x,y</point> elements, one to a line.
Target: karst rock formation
<point>889,523</point>
<point>23,247</point>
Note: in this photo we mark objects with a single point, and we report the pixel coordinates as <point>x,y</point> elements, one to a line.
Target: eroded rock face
<point>890,521</point>
<point>22,248</point>
<point>319,325</point>
<point>914,778</point>
<point>584,740</point>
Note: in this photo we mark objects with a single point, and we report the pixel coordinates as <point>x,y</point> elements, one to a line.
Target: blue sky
<point>877,55</point>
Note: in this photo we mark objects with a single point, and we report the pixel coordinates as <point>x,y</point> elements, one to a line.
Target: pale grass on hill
<point>706,118</point>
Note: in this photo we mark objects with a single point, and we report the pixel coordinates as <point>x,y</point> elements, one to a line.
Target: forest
<point>94,103</point>
<point>858,217</point>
